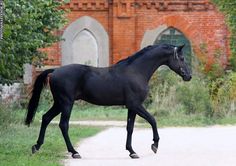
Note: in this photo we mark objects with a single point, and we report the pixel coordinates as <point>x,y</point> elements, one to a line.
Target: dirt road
<point>211,146</point>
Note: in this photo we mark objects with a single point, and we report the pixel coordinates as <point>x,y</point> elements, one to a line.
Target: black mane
<point>138,54</point>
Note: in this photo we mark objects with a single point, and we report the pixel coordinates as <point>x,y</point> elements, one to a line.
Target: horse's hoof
<point>76,156</point>
<point>34,149</point>
<point>154,148</point>
<point>134,156</point>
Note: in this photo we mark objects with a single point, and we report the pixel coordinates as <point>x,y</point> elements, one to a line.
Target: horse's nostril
<point>182,72</point>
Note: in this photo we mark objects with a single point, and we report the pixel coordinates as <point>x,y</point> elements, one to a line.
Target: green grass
<point>183,120</point>
<point>83,110</point>
<point>93,112</point>
<point>16,142</point>
<point>17,139</point>
<point>194,120</point>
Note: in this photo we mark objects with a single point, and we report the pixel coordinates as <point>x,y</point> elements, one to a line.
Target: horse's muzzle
<point>187,78</point>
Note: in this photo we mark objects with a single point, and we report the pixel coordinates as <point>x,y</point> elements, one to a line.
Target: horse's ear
<point>181,47</point>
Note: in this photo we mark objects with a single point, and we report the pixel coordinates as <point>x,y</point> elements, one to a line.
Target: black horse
<point>124,83</point>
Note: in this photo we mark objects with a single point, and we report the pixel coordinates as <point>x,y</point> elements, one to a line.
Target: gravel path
<point>211,146</point>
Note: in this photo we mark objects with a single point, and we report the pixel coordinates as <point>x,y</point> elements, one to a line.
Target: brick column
<point>123,29</point>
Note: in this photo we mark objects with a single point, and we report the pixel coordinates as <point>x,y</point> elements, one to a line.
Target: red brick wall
<point>127,20</point>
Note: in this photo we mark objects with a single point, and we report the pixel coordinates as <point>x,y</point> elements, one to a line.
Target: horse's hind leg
<point>64,126</point>
<point>46,119</point>
<point>130,127</point>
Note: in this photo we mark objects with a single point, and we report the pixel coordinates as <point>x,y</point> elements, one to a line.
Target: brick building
<point>102,32</point>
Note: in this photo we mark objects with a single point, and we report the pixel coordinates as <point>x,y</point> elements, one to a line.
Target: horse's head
<point>178,64</point>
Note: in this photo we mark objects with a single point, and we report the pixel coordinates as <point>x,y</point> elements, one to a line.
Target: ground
<point>210,146</point>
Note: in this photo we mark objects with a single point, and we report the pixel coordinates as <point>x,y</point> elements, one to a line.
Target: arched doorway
<point>175,37</point>
<point>85,41</point>
<point>85,49</point>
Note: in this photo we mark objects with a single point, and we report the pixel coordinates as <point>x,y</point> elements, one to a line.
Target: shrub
<point>9,115</point>
<point>170,95</point>
<point>223,95</point>
<point>194,96</point>
<point>214,98</point>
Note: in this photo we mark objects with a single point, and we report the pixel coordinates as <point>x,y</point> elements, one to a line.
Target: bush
<point>170,95</point>
<point>212,98</point>
<point>194,97</point>
<point>223,95</point>
<point>10,115</point>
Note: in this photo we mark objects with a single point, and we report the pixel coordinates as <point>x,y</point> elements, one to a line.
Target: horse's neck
<point>147,66</point>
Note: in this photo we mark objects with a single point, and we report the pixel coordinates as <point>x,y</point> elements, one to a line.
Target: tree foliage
<point>28,26</point>
<point>228,7</point>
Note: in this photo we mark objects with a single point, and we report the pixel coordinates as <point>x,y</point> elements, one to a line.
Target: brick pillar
<point>123,29</point>
<point>110,31</point>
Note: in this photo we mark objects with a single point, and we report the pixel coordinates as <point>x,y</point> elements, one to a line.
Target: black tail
<point>34,101</point>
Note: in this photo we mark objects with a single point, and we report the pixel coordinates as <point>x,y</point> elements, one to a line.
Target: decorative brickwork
<point>97,5</point>
<point>170,5</point>
<point>127,21</point>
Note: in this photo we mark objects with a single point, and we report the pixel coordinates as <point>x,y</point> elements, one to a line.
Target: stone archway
<point>85,49</point>
<point>170,35</point>
<point>175,37</point>
<point>180,23</point>
<point>85,41</point>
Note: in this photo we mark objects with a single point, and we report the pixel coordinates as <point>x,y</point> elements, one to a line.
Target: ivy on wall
<point>228,7</point>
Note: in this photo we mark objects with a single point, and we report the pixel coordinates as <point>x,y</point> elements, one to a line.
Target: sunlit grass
<point>16,141</point>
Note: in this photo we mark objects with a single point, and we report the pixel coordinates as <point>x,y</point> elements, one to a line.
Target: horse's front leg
<point>130,127</point>
<point>140,110</point>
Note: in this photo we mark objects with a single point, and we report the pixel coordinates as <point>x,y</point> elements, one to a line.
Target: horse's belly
<point>103,95</point>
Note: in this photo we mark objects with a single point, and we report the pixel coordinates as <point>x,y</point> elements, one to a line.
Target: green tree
<point>28,26</point>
